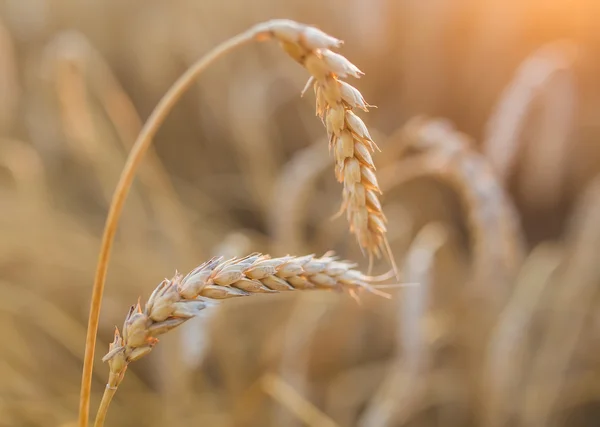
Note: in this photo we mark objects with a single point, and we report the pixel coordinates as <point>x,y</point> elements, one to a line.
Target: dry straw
<point>352,143</point>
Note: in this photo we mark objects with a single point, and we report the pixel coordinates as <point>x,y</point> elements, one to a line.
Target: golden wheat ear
<point>175,301</point>
<point>349,137</point>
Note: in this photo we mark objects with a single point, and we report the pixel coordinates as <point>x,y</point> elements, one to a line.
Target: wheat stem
<point>140,146</point>
<point>282,392</point>
<point>109,393</point>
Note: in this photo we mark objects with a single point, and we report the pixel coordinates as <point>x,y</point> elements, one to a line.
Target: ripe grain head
<point>349,138</point>
<point>175,301</point>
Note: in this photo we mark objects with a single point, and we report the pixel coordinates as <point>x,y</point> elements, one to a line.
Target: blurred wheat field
<point>490,169</point>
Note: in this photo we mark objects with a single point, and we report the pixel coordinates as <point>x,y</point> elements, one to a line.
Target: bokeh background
<point>503,237</point>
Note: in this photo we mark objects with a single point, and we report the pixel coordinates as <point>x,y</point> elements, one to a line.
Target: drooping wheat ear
<point>290,33</point>
<point>176,300</point>
<point>536,109</point>
<point>349,138</point>
<point>443,153</point>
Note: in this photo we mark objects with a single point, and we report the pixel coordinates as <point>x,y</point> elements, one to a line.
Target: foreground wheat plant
<point>348,135</point>
<point>176,300</point>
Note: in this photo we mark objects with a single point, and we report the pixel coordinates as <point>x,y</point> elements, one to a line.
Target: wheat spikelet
<point>349,137</point>
<point>176,300</point>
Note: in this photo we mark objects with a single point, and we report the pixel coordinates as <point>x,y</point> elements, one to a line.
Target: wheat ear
<point>349,137</point>
<point>283,30</point>
<point>176,300</point>
<point>442,152</point>
<point>536,109</point>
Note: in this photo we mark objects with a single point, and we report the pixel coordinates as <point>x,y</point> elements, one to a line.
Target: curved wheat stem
<point>110,228</point>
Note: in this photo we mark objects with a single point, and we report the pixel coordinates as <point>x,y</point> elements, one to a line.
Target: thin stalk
<point>109,393</point>
<point>140,146</point>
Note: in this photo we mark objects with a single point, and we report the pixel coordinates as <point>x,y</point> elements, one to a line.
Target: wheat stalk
<point>405,375</point>
<point>507,351</point>
<point>572,301</point>
<point>176,300</point>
